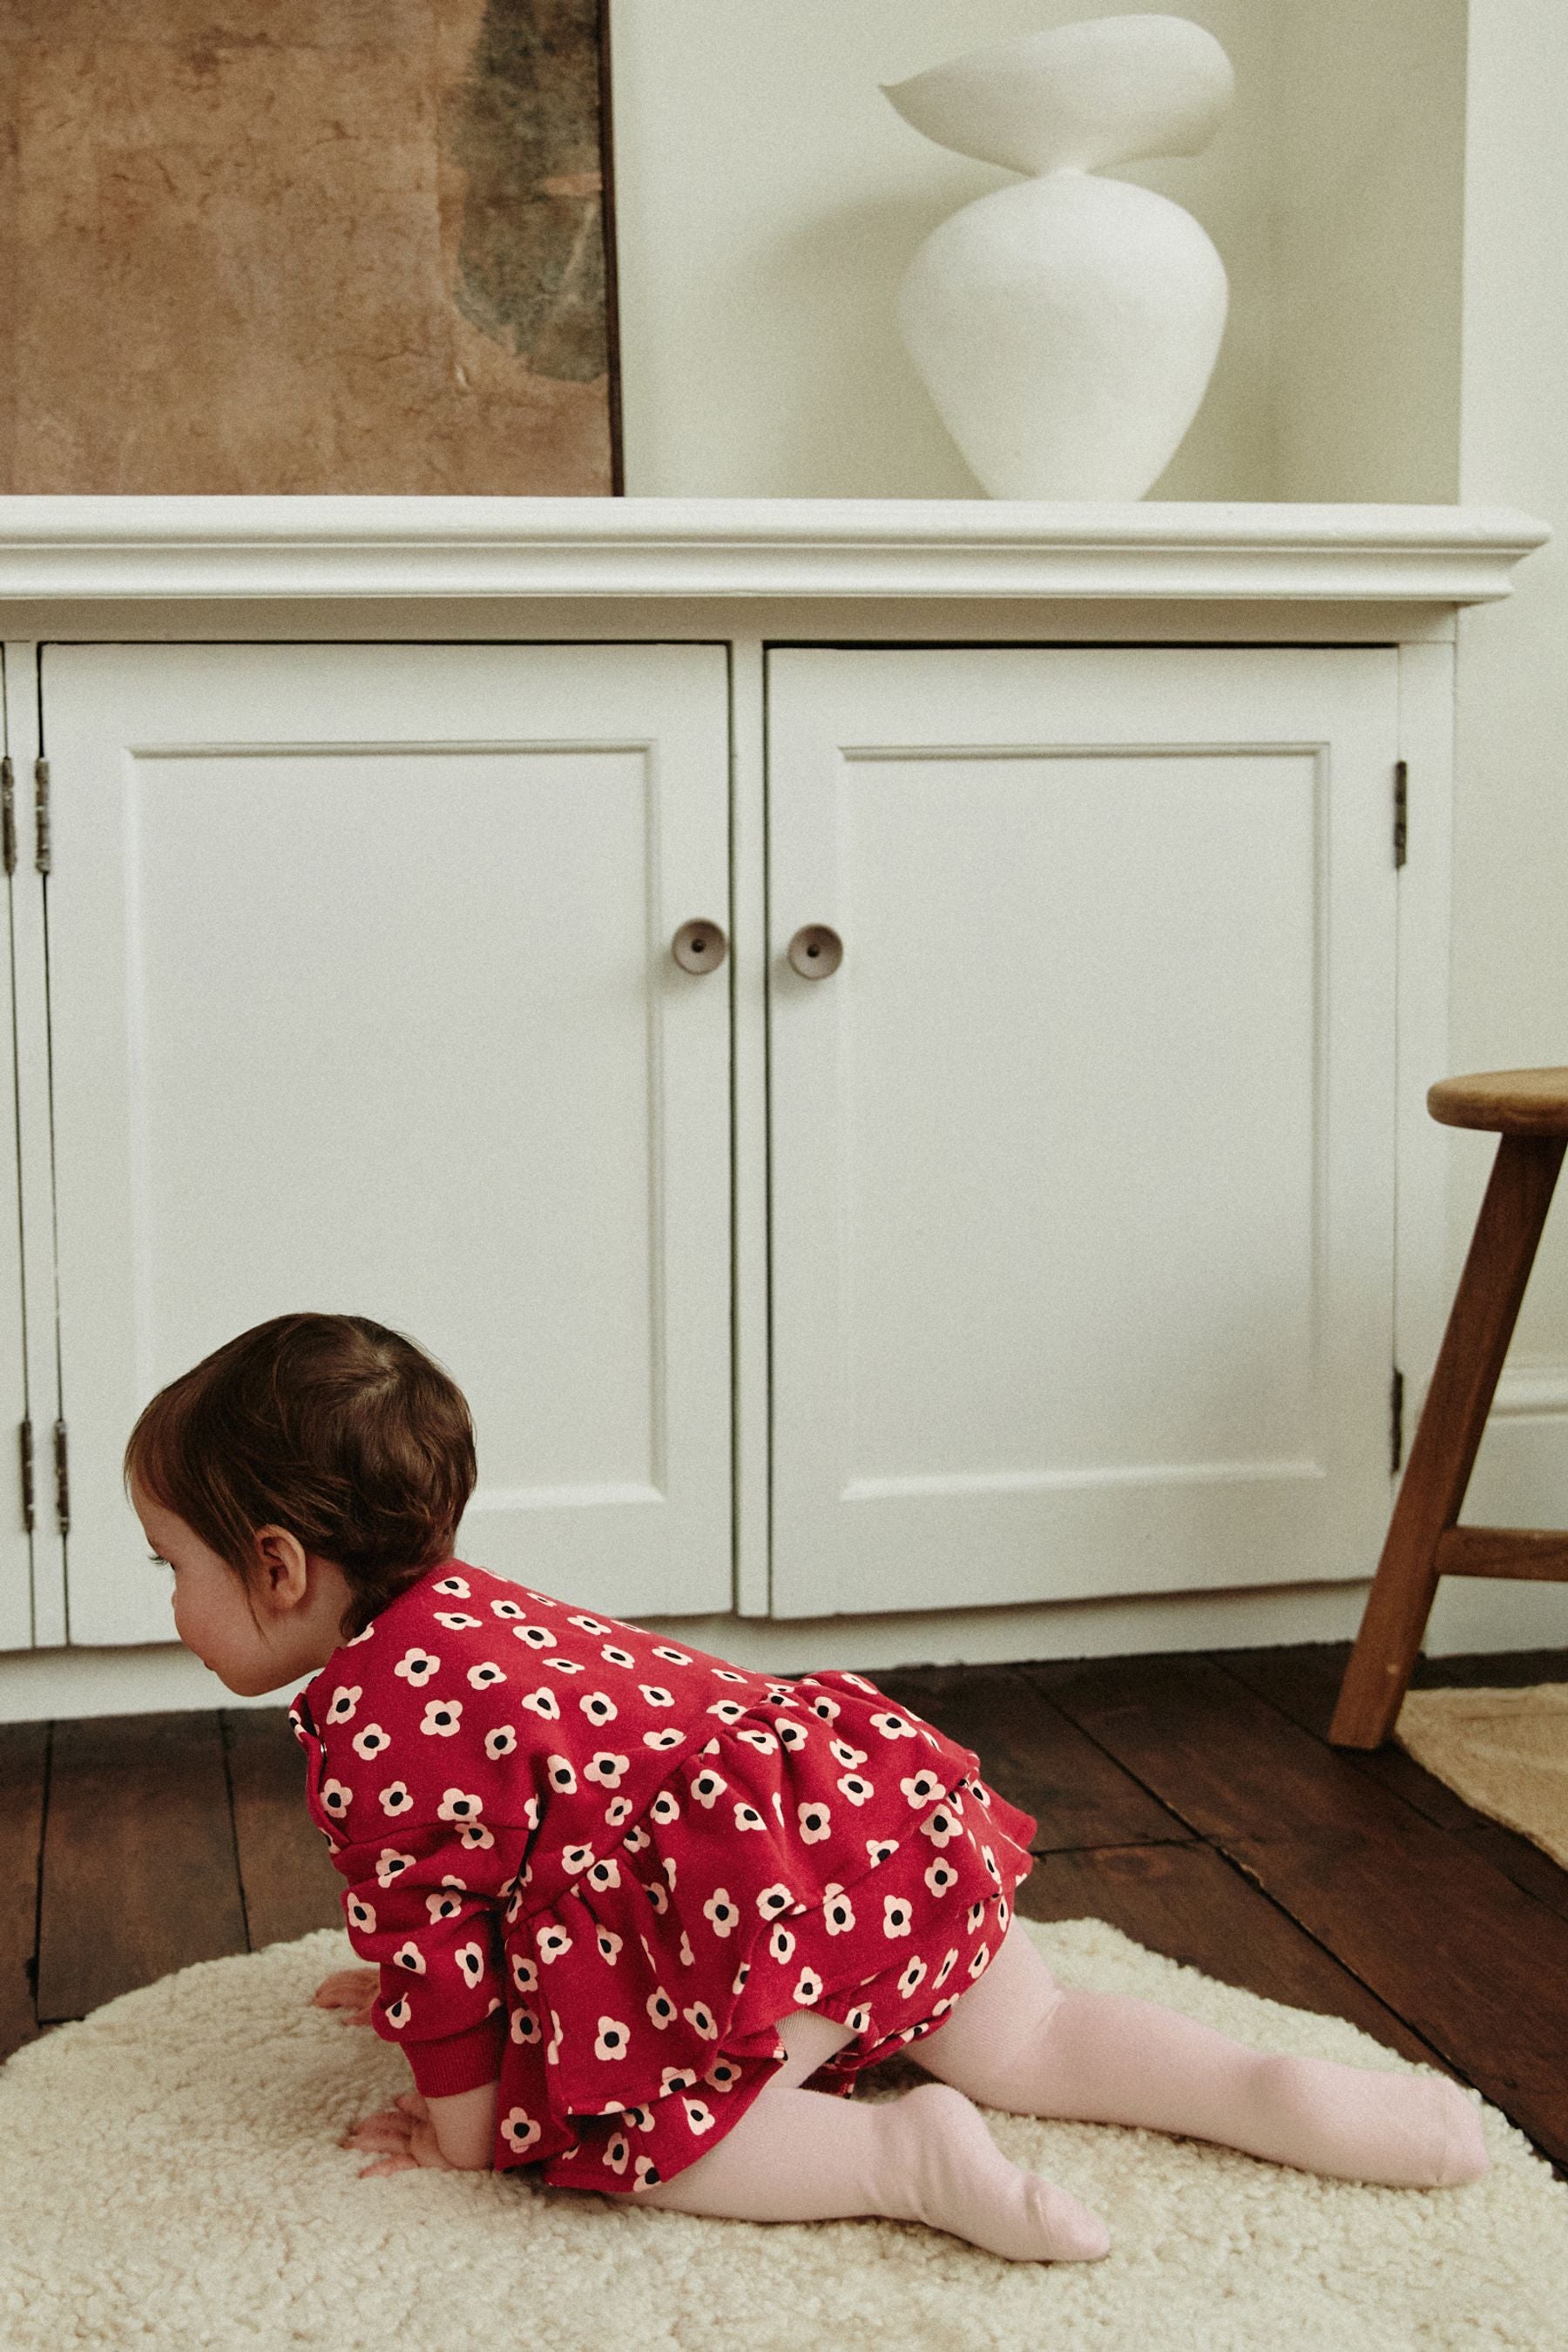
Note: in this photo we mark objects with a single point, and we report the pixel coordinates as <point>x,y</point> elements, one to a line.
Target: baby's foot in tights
<point>954,2176</point>
<point>352,1990</point>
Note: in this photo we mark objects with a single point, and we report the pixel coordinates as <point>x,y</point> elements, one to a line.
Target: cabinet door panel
<point>1082,1161</point>
<point>362,1000</point>
<point>15,1547</point>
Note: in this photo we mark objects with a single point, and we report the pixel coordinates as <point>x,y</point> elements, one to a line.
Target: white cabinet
<point>1083,1158</point>
<point>361,998</point>
<point>1060,1243</point>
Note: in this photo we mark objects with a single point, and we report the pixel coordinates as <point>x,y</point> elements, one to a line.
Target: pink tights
<point>1019,2040</point>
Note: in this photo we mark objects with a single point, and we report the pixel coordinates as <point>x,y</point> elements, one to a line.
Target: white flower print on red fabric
<point>897,1918</point>
<point>417,1667</point>
<point>708,1787</point>
<point>545,1703</point>
<point>858,1791</point>
<point>344,1702</point>
<point>372,1741</point>
<point>815,1823</point>
<point>671,1657</point>
<point>921,1787</point>
<point>553,1943</point>
<point>614,1655</point>
<point>566,1665</point>
<point>609,1770</point>
<point>838,1912</point>
<point>446,1906</point>
<point>701,2020</point>
<point>720,1912</point>
<point>500,1742</point>
<point>655,1695</point>
<point>360,1914</point>
<point>894,1727</point>
<point>807,1988</point>
<point>508,1608</point>
<point>538,1637</point>
<point>443,1718</point>
<point>485,1676</point>
<point>519,2130</point>
<point>458,1620</point>
<point>336,1798</point>
<point>597,1706</point>
<point>941,1827</point>
<point>456,1586</point>
<point>409,1957</point>
<point>395,1799</point>
<point>457,1805</point>
<point>941,1876</point>
<point>781,1946</point>
<point>665,1740</point>
<point>748,1818</point>
<point>470,1961</point>
<point>614,2039</point>
<point>391,1865</point>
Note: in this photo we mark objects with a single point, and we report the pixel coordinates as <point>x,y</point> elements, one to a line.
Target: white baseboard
<point>1520,1480</point>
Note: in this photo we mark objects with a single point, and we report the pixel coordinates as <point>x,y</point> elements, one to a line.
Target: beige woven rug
<point>1504,1751</point>
<point>170,2177</point>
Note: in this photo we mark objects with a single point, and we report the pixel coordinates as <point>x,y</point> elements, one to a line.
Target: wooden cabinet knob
<point>815,950</point>
<point>699,946</point>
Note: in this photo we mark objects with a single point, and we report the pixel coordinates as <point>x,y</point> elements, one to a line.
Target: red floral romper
<point>597,1868</point>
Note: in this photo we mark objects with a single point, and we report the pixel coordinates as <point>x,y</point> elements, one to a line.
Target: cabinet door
<point>16,1544</point>
<point>363,1001</point>
<point>1082,1161</point>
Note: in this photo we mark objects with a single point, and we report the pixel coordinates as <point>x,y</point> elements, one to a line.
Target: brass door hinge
<point>62,1480</point>
<point>41,814</point>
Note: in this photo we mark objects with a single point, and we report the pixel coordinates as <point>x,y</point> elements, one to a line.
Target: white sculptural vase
<point>1066,328</point>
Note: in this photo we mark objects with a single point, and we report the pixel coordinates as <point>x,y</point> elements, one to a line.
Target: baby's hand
<point>407,2131</point>
<point>354,1990</point>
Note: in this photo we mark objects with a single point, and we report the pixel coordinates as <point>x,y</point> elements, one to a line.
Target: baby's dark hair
<point>332,1426</point>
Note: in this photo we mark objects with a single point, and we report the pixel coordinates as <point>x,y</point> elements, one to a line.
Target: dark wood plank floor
<point>1192,1800</point>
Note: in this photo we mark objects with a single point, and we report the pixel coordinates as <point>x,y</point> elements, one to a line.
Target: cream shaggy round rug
<point>170,2177</point>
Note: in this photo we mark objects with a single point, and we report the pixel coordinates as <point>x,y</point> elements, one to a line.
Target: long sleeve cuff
<point>460,2062</point>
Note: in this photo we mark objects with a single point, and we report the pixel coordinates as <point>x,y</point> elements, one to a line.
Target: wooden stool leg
<point>1480,1325</point>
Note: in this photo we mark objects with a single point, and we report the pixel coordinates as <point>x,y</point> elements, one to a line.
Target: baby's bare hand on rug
<point>406,2133</point>
<point>354,1990</point>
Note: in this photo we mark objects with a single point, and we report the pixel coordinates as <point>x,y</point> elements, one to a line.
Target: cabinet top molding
<point>117,548</point>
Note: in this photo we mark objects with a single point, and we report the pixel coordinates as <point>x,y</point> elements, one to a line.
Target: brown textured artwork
<point>305,246</point>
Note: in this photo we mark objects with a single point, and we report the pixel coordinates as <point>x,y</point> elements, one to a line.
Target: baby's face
<point>211,1615</point>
